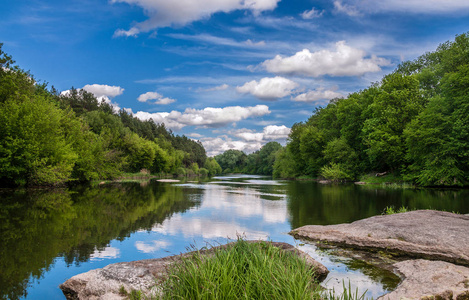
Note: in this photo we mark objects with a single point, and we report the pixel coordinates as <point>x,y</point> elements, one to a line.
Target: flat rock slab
<point>425,280</point>
<point>427,234</point>
<point>142,275</point>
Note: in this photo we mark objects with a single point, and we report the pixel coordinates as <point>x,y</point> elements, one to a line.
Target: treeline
<point>414,124</point>
<point>260,162</point>
<point>51,139</point>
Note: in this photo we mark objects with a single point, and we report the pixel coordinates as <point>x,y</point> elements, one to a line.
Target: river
<point>48,236</point>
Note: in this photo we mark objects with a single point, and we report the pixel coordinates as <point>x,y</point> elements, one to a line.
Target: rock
<point>106,283</point>
<point>430,280</point>
<point>422,234</point>
<point>360,183</point>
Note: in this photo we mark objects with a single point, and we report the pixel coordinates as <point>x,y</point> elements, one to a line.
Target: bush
<point>335,172</point>
<point>203,172</point>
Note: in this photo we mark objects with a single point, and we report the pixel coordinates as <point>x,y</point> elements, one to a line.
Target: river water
<point>47,236</point>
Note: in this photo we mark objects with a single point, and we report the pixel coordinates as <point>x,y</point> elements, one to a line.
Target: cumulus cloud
<point>164,13</point>
<point>352,7</point>
<point>344,61</point>
<point>270,133</point>
<point>218,145</point>
<point>319,95</point>
<point>269,88</point>
<point>155,96</point>
<point>311,14</point>
<point>207,117</point>
<point>246,140</point>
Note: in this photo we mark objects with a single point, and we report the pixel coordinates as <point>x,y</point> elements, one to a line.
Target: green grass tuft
<point>242,270</point>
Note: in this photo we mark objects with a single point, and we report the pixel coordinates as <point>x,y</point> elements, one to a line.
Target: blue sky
<point>230,73</point>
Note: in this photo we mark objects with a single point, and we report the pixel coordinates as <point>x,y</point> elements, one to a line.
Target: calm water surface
<point>47,237</point>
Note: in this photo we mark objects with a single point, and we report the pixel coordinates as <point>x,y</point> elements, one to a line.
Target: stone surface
<point>105,283</point>
<point>425,279</point>
<point>421,234</point>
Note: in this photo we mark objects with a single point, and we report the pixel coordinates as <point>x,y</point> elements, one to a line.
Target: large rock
<point>427,280</point>
<point>422,234</point>
<point>108,282</point>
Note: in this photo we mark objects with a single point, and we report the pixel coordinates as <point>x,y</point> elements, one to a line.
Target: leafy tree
<point>231,159</point>
<point>212,166</point>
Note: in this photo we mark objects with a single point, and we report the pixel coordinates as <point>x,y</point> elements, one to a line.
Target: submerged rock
<point>112,281</point>
<point>427,280</point>
<point>422,234</point>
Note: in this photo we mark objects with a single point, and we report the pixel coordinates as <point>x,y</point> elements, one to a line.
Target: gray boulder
<point>427,234</point>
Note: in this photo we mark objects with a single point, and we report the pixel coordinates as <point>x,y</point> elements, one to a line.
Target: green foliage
<point>242,270</point>
<point>231,159</point>
<point>414,124</point>
<point>335,172</point>
<point>212,166</point>
<point>390,210</point>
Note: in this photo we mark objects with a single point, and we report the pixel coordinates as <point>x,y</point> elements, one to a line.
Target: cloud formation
<point>270,133</point>
<point>207,117</point>
<point>103,91</point>
<point>319,95</point>
<point>155,96</point>
<point>164,13</point>
<point>248,140</point>
<point>311,14</point>
<point>344,61</point>
<point>356,7</point>
<point>269,88</point>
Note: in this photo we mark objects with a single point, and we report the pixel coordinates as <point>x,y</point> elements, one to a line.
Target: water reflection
<point>49,236</point>
<point>39,225</point>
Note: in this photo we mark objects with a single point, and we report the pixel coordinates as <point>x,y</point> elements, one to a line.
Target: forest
<point>413,125</point>
<point>52,139</point>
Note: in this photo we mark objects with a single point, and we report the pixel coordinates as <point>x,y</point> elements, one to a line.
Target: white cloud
<point>311,14</point>
<point>248,140</point>
<point>344,61</point>
<point>164,13</point>
<point>269,88</point>
<point>207,38</point>
<point>107,253</point>
<point>151,247</point>
<point>407,6</point>
<point>273,132</point>
<point>215,146</point>
<point>270,133</point>
<point>208,228</point>
<point>207,117</point>
<point>155,96</point>
<point>346,9</point>
<point>216,88</point>
<point>319,95</point>
<point>103,91</point>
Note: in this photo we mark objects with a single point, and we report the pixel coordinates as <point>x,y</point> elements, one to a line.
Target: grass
<point>390,210</point>
<point>246,270</point>
<point>242,270</point>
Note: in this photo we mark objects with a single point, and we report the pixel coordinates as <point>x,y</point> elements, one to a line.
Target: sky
<point>234,74</point>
